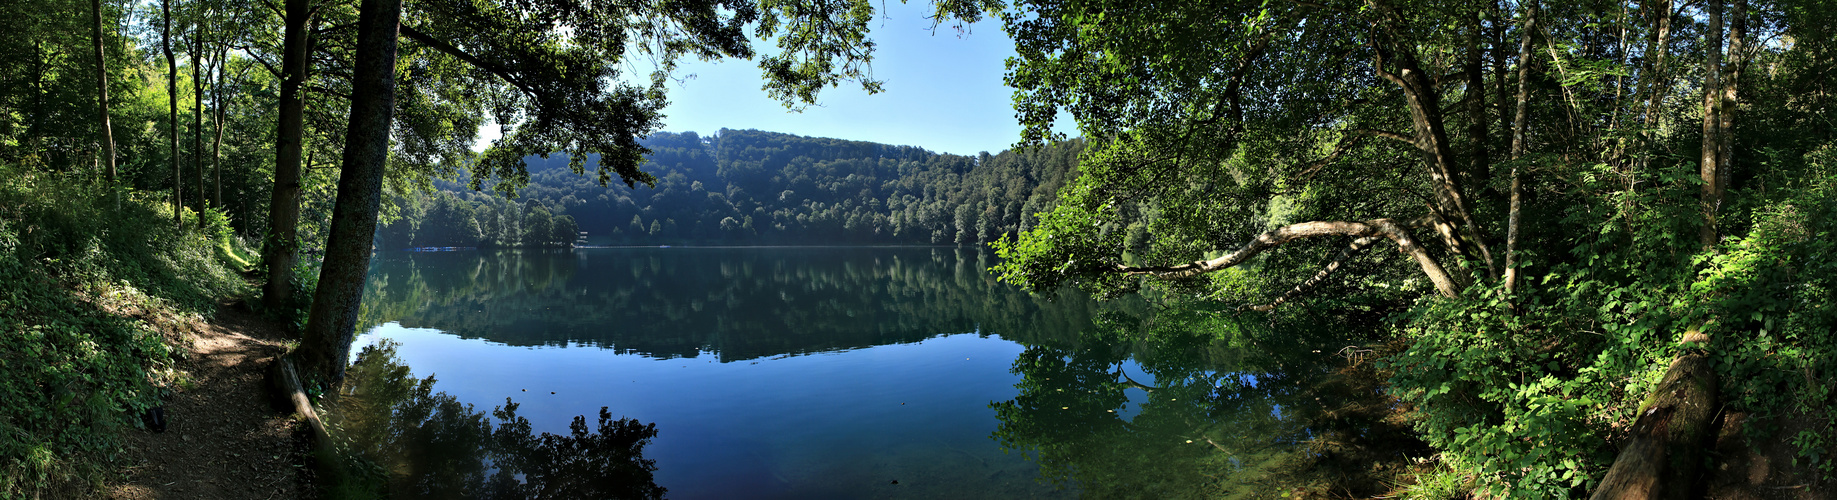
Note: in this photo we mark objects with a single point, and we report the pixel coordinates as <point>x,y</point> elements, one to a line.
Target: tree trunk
<point>108,132</point>
<point>1499,65</point>
<point>1658,82</point>
<point>197,112</point>
<point>217,111</point>
<point>326,343</point>
<point>172,115</point>
<point>1712,125</point>
<point>282,245</point>
<point>1431,137</point>
<point>1725,129</point>
<point>1519,118</point>
<point>1479,171</point>
<point>1664,456</point>
<point>1384,228</point>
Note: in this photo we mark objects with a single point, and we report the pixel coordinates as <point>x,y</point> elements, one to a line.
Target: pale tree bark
<point>1519,117</point>
<point>1709,169</point>
<point>108,131</point>
<point>1384,228</point>
<point>1659,85</point>
<point>281,246</point>
<point>172,115</point>
<point>326,343</point>
<point>1345,254</point>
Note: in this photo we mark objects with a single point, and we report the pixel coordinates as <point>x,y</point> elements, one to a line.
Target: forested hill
<point>753,187</point>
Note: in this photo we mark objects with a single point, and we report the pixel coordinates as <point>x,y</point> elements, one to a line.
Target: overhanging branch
<point>449,49</point>
<point>1345,254</point>
<point>1387,135</point>
<point>1385,228</point>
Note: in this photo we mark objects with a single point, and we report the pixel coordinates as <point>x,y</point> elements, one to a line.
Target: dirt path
<point>224,438</point>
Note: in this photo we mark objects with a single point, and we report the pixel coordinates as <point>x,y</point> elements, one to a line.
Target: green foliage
<point>76,367</point>
<point>752,187</point>
<point>1526,401</point>
<point>1212,122</point>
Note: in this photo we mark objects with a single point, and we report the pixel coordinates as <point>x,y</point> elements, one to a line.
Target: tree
<point>325,343</point>
<point>538,226</point>
<point>1264,146</point>
<point>107,131</point>
<point>172,114</point>
<point>280,247</point>
<point>557,65</point>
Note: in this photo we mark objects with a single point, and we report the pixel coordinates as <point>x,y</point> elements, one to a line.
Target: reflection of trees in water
<point>741,303</point>
<point>1230,411</point>
<point>402,440</point>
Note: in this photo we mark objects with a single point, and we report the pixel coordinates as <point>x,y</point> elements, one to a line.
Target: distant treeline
<point>753,187</point>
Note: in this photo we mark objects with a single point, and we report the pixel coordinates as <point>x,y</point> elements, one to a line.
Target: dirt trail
<point>224,438</point>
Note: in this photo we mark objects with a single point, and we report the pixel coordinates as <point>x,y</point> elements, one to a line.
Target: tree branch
<point>246,50</point>
<point>449,49</point>
<point>1377,227</point>
<point>1387,135</point>
<point>1358,245</point>
<point>1339,150</point>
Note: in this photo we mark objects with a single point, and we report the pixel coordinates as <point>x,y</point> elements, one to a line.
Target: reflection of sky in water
<point>831,424</point>
<point>843,373</point>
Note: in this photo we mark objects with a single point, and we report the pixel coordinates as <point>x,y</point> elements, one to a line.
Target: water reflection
<point>843,373</point>
<point>1194,404</point>
<point>741,304</point>
<point>403,440</point>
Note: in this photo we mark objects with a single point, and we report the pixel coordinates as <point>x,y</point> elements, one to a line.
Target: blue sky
<point>943,91</point>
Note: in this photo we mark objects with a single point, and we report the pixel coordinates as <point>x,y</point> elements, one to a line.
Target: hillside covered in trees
<point>748,187</point>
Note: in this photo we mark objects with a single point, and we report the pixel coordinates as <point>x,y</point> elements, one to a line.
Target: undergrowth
<point>1529,398</point>
<point>97,295</point>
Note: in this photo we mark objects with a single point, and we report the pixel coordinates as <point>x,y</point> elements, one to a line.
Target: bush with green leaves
<point>76,368</point>
<point>1530,398</point>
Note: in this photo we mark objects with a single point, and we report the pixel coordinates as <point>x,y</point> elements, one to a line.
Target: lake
<point>832,373</point>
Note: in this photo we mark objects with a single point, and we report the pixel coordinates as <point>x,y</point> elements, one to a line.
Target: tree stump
<point>1664,457</point>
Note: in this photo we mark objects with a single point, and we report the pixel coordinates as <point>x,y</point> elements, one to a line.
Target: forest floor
<point>225,438</point>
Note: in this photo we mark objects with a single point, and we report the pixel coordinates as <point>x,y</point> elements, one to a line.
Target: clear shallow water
<point>858,373</point>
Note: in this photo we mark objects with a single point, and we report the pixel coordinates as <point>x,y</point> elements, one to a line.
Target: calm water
<point>836,373</point>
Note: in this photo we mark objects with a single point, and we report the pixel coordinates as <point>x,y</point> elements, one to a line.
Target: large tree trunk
<point>172,115</point>
<point>1663,457</point>
<point>108,132</point>
<point>282,245</point>
<point>1709,168</point>
<point>326,344</point>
